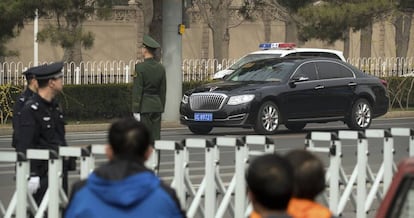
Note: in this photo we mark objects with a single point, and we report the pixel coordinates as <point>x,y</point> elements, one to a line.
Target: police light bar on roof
<point>276,45</point>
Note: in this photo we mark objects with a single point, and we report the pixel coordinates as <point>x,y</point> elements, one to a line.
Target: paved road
<point>285,140</point>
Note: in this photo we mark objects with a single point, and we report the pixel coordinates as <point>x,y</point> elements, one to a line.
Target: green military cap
<point>150,42</point>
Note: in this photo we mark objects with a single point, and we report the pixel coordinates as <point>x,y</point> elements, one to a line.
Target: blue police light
<point>276,45</point>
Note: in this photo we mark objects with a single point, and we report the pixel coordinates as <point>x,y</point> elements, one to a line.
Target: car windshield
<point>251,57</point>
<point>263,70</point>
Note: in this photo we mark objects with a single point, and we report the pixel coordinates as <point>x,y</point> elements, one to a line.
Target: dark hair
<point>309,174</point>
<point>42,82</point>
<point>269,178</point>
<point>129,138</point>
<point>29,78</point>
<point>151,50</point>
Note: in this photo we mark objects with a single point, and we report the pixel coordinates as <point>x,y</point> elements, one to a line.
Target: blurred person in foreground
<point>309,182</point>
<point>124,187</point>
<point>270,186</point>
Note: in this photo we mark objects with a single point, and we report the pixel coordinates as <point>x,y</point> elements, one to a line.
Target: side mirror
<point>294,80</point>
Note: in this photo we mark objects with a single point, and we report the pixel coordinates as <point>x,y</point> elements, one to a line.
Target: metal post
<point>242,156</point>
<point>172,56</point>
<point>51,197</point>
<point>334,169</point>
<point>22,173</point>
<point>210,191</point>
<point>54,186</point>
<point>35,43</point>
<point>362,159</point>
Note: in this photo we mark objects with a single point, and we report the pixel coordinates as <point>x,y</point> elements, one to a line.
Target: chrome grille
<point>207,101</point>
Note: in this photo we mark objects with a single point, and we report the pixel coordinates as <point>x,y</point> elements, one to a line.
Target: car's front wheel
<point>201,130</point>
<point>295,126</point>
<point>361,115</point>
<point>267,120</point>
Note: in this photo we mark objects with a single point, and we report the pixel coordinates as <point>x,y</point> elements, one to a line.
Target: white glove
<point>137,116</point>
<point>33,185</point>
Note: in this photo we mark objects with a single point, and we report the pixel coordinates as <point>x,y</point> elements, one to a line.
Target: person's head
<point>309,174</point>
<point>31,80</point>
<point>149,46</point>
<point>270,183</point>
<point>50,76</point>
<point>128,139</point>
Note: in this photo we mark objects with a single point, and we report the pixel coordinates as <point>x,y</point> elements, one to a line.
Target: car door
<point>339,85</point>
<point>299,100</point>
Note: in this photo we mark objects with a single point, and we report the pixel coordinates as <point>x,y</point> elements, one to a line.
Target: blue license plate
<point>203,116</point>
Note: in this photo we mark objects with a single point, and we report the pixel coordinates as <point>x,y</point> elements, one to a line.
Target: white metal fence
<point>118,71</point>
<point>214,196</point>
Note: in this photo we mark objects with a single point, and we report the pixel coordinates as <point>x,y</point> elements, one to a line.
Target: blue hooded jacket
<point>123,189</point>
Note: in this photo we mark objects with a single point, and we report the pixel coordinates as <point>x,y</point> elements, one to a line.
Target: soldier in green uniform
<point>148,90</point>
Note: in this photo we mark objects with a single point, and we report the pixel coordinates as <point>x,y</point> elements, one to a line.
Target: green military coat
<point>148,90</point>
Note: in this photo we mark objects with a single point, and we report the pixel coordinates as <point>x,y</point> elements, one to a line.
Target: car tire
<point>361,115</point>
<point>267,120</point>
<point>296,127</point>
<point>200,130</point>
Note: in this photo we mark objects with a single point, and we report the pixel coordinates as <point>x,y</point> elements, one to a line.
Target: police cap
<point>46,71</point>
<point>150,42</point>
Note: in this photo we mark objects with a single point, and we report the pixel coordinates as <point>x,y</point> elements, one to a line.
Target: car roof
<point>284,52</point>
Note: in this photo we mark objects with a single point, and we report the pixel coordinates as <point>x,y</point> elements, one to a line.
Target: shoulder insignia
<point>21,99</point>
<point>35,106</point>
<point>46,118</point>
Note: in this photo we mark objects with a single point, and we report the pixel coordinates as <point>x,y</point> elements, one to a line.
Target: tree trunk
<point>73,54</point>
<point>347,43</point>
<point>267,26</point>
<point>221,41</point>
<point>402,33</point>
<point>148,11</point>
<point>291,32</point>
<point>155,29</point>
<point>366,41</point>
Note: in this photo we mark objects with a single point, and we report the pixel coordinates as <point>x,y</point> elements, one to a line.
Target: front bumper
<point>227,116</point>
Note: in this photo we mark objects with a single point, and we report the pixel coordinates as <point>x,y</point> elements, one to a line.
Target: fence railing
<point>214,196</point>
<point>118,71</point>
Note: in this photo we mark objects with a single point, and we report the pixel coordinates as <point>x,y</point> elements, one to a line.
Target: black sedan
<point>292,91</point>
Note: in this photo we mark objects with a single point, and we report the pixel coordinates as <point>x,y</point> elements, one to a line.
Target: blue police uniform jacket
<point>123,189</point>
<point>17,107</point>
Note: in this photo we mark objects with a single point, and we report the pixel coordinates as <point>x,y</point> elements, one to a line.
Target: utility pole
<point>172,57</point>
<point>35,44</point>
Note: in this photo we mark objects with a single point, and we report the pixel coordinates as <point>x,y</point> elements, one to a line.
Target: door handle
<point>319,87</point>
<point>352,84</point>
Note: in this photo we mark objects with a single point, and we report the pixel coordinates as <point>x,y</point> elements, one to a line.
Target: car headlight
<point>240,99</point>
<point>184,100</point>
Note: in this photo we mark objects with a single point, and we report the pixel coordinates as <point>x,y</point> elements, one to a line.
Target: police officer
<point>148,91</point>
<point>30,90</point>
<point>41,125</point>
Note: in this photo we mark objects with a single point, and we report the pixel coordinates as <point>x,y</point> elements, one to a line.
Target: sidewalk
<point>7,129</point>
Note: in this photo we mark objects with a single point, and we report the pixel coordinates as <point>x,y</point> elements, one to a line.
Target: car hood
<point>232,86</point>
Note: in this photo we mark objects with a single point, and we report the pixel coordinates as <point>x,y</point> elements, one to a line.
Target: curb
<point>8,130</point>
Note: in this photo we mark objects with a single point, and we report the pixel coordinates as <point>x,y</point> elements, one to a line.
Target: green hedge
<point>107,101</point>
<point>97,102</point>
<point>401,91</point>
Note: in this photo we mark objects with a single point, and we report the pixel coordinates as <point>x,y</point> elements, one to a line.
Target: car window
<point>314,54</point>
<point>262,71</point>
<point>331,70</point>
<point>403,205</point>
<point>330,55</point>
<point>307,70</point>
<point>251,57</point>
